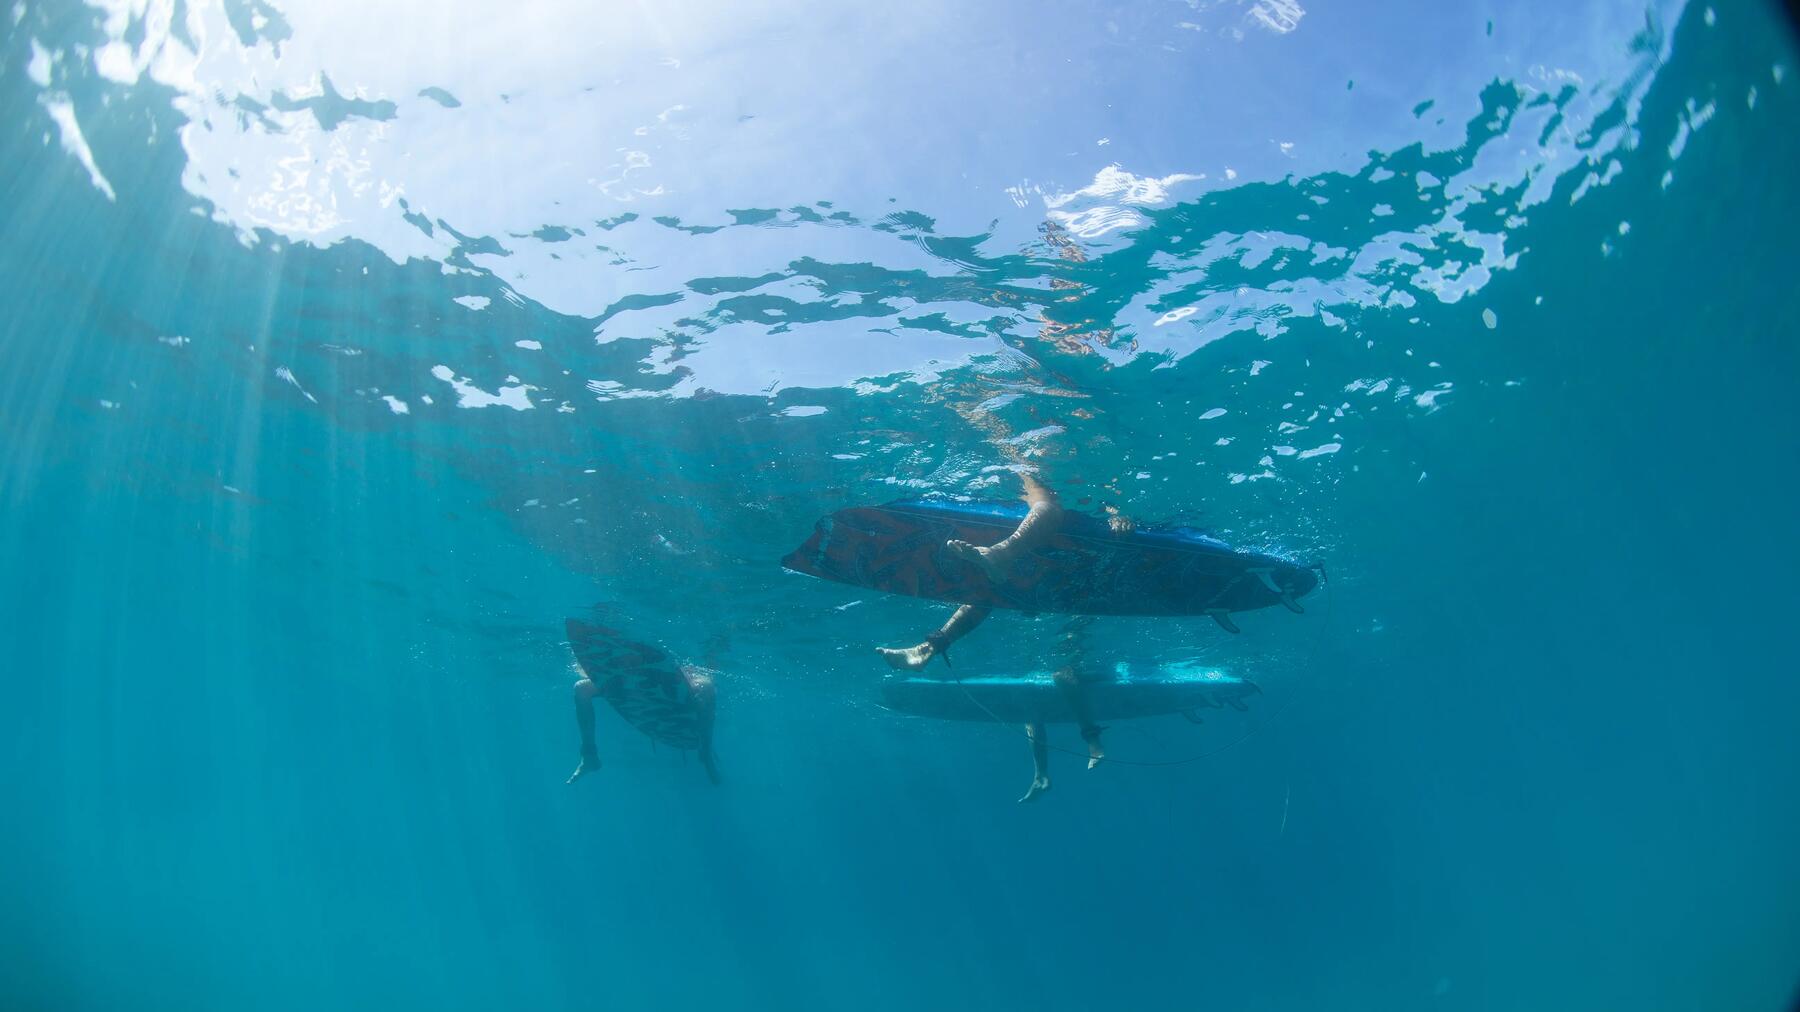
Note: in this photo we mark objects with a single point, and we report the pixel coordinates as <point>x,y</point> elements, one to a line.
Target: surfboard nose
<point>805,559</point>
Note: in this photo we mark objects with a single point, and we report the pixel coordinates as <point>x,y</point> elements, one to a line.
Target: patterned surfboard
<point>669,701</point>
<point>1084,568</point>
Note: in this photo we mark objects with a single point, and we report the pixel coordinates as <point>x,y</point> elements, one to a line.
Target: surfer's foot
<point>907,658</point>
<point>1096,751</point>
<point>992,562</point>
<point>1038,786</point>
<point>590,763</point>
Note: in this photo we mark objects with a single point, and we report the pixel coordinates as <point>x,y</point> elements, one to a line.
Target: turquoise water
<point>346,353</point>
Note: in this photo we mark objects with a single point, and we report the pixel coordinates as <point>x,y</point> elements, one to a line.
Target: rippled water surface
<point>345,351</point>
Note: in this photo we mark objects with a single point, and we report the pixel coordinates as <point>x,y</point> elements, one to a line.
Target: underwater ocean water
<point>347,350</point>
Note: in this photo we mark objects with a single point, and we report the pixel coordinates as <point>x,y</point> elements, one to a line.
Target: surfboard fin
<point>1288,602</point>
<point>1223,617</point>
<point>1193,717</point>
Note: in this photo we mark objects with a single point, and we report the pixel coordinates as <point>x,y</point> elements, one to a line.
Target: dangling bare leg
<point>585,691</point>
<point>1040,762</point>
<point>1096,751</point>
<point>1076,694</point>
<point>913,658</point>
<point>700,685</point>
<point>1040,522</point>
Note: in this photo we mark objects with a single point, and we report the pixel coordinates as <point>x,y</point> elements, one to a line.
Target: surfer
<point>700,699</point>
<point>670,702</point>
<point>1045,513</point>
<point>1042,519</point>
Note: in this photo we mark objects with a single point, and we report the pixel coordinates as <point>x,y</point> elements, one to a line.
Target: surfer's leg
<point>1040,761</point>
<point>1096,751</point>
<point>1073,690</point>
<point>1041,521</point>
<point>585,691</point>
<point>912,658</point>
<point>700,685</point>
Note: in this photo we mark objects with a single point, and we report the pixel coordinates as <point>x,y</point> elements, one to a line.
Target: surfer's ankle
<point>1096,751</point>
<point>590,763</point>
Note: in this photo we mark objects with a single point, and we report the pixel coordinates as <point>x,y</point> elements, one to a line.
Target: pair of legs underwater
<point>1042,519</point>
<point>1070,683</point>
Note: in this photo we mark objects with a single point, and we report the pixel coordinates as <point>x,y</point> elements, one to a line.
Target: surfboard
<point>1130,691</point>
<point>1084,568</point>
<point>668,701</point>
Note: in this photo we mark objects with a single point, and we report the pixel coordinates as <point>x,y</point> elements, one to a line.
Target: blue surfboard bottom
<point>1125,692</point>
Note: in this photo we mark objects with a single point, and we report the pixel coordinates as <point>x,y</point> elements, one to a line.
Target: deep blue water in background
<point>1488,308</point>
